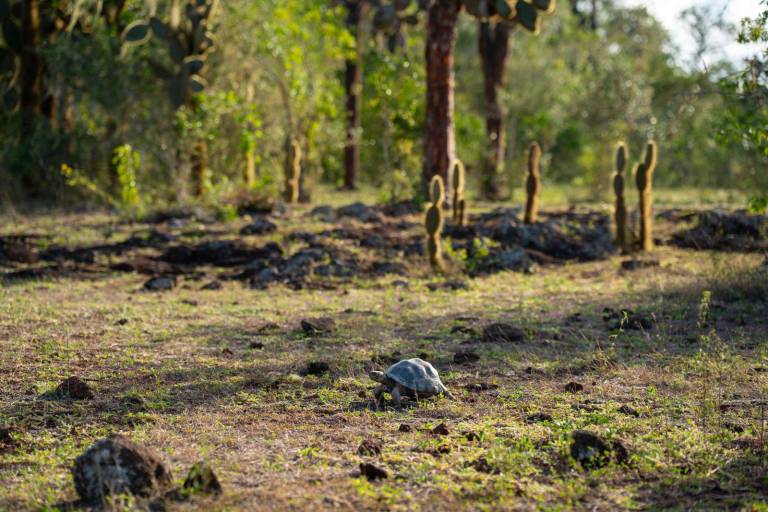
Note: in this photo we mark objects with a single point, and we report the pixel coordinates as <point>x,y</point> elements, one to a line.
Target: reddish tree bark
<point>493,42</point>
<point>439,140</point>
<point>353,88</point>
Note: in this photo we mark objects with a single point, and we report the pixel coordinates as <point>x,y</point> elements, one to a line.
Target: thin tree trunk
<point>493,42</point>
<point>439,139</point>
<point>199,165</point>
<point>353,88</point>
<point>250,168</point>
<point>30,76</point>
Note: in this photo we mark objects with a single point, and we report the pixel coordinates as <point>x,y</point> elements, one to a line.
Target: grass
<point>175,370</point>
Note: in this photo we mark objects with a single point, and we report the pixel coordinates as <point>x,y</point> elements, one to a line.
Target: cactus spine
<point>644,181</point>
<point>458,174</point>
<point>533,184</point>
<point>292,170</point>
<point>620,204</point>
<point>434,223</point>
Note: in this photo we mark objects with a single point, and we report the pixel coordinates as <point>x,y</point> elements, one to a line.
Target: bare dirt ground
<point>668,359</point>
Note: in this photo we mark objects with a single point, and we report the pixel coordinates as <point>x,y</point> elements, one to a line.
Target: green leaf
<point>10,99</point>
<point>197,84</point>
<point>179,90</point>
<point>137,32</point>
<point>177,50</point>
<point>7,62</point>
<point>12,36</point>
<point>160,29</point>
<point>527,16</point>
<point>504,9</point>
<point>194,64</point>
<point>548,6</point>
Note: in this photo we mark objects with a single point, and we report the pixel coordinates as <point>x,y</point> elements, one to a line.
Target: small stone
<point>117,465</point>
<point>20,252</point>
<point>591,451</point>
<point>201,479</point>
<point>268,328</point>
<point>7,442</point>
<point>481,465</point>
<point>448,285</point>
<point>634,264</point>
<point>465,357</point>
<point>441,430</point>
<point>629,411</point>
<point>503,333</point>
<point>157,284</point>
<point>441,450</point>
<point>573,387</point>
<point>371,472</point>
<point>75,389</point>
<point>538,417</point>
<point>471,436</point>
<point>481,386</point>
<point>317,326</point>
<point>370,448</point>
<point>259,227</point>
<point>316,368</point>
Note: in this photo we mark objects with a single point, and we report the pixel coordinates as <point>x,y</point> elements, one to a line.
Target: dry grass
<point>278,440</point>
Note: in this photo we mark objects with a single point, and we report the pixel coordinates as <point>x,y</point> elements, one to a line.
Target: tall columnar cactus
<point>620,204</point>
<point>292,170</point>
<point>434,223</point>
<point>533,184</point>
<point>644,181</point>
<point>457,182</point>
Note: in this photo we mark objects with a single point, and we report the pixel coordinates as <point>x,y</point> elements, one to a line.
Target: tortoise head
<point>377,376</point>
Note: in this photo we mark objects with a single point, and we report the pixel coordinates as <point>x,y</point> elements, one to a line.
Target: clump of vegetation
<point>459,204</point>
<point>533,184</point>
<point>620,205</point>
<point>434,223</point>
<point>644,180</point>
<point>126,164</point>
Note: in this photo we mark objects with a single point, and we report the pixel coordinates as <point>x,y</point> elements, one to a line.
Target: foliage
<point>126,163</point>
<point>276,70</point>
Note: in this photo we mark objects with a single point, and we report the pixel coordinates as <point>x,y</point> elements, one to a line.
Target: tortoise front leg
<point>378,395</point>
<point>396,398</point>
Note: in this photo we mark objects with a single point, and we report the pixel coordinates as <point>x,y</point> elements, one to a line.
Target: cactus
<point>644,181</point>
<point>434,223</point>
<point>189,42</point>
<point>457,181</point>
<point>620,205</point>
<point>533,184</point>
<point>292,170</point>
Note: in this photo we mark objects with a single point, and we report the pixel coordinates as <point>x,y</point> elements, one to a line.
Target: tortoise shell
<point>417,375</point>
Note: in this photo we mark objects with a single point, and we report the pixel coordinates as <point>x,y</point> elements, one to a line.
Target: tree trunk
<point>199,165</point>
<point>439,139</point>
<point>30,76</point>
<point>250,168</point>
<point>493,42</point>
<point>353,88</point>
